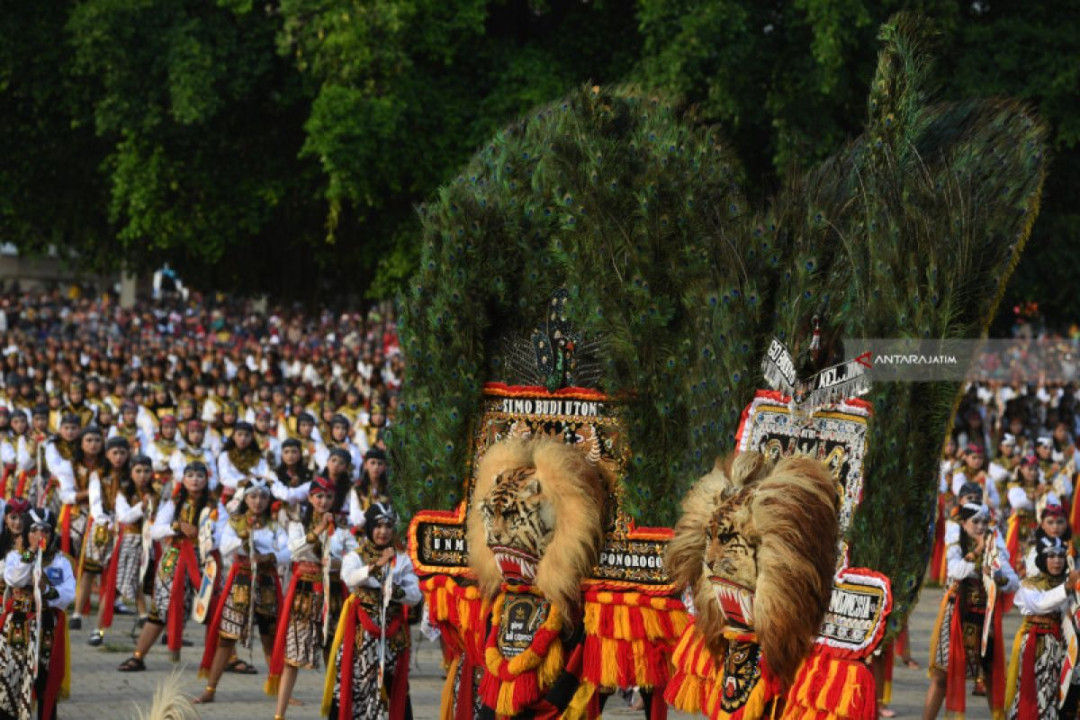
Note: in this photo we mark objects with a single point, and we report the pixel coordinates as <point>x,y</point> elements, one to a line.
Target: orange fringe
<point>696,672</point>
<point>630,638</point>
<point>698,683</point>
<point>831,688</point>
<point>459,613</point>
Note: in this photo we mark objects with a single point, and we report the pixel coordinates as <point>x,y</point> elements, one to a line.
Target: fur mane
<point>789,516</point>
<point>576,490</point>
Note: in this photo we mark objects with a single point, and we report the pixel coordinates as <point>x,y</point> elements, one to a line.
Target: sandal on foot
<point>132,664</point>
<point>241,668</point>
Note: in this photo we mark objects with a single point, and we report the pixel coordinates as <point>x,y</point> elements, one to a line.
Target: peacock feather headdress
<point>632,206</point>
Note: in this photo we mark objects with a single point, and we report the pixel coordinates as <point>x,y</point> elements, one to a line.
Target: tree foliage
<point>283,146</point>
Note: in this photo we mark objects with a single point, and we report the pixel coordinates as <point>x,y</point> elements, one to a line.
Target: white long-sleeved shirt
<point>341,543</point>
<point>1019,500</point>
<point>961,569</point>
<point>97,506</point>
<point>19,573</point>
<point>8,452</point>
<point>1033,601</point>
<point>356,573</point>
<point>230,476</point>
<point>162,527</point>
<point>63,471</point>
<point>126,513</point>
<point>291,495</point>
<point>268,540</point>
<point>160,457</point>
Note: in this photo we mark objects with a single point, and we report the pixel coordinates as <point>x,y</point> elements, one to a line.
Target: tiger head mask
<point>757,546</point>
<point>537,517</point>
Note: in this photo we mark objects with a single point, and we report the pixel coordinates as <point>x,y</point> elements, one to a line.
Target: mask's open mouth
<point>737,601</point>
<point>515,564</point>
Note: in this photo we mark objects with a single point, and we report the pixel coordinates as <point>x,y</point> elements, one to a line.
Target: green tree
<point>404,91</point>
<point>49,189</point>
<point>203,124</point>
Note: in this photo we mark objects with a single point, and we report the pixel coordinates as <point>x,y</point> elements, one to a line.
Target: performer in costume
<point>76,404</point>
<point>240,458</point>
<point>369,678</point>
<point>1004,464</point>
<point>13,534</point>
<point>1027,492</point>
<point>87,460</point>
<point>1038,651</point>
<point>128,428</point>
<point>339,438</point>
<point>103,487</point>
<point>161,451</point>
<point>1052,524</point>
<point>371,487</point>
<point>177,526</point>
<point>945,502</point>
<point>338,469</point>
<point>957,650</point>
<point>37,488</point>
<point>268,444</point>
<point>34,665</point>
<point>972,471</point>
<point>135,502</point>
<point>59,455</point>
<point>318,540</point>
<point>193,449</point>
<point>246,602</point>
<point>292,472</point>
<point>760,587</point>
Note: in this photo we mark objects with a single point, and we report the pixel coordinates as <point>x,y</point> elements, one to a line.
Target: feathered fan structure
<point>911,231</point>
<point>170,702</point>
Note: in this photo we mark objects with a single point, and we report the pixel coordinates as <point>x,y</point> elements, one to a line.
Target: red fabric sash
<point>186,565</point>
<point>658,706</point>
<point>937,557</point>
<point>466,689</point>
<point>277,660</point>
<point>20,489</point>
<point>399,690</point>
<point>107,591</point>
<point>56,666</point>
<point>1028,704</point>
<point>997,691</point>
<point>9,470</point>
<point>213,632</point>
<point>65,529</point>
<point>956,673</point>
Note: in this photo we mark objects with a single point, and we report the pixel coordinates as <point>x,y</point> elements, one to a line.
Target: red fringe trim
<point>630,638</point>
<point>831,688</point>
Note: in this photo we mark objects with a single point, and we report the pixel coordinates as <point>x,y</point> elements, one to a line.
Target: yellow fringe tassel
<point>446,703</point>
<point>578,709</point>
<point>1012,682</point>
<point>331,666</point>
